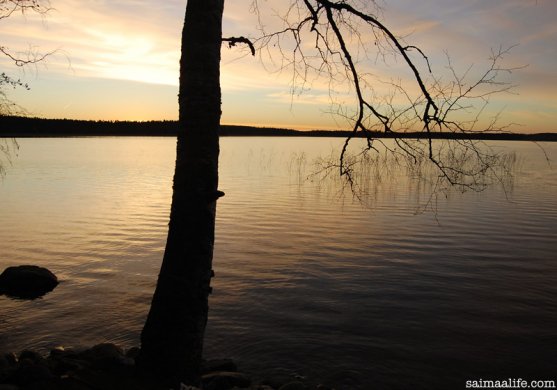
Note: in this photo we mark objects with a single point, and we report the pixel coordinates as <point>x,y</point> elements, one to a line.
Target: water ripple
<point>308,281</point>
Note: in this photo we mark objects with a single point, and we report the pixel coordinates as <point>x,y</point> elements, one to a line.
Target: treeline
<point>14,126</point>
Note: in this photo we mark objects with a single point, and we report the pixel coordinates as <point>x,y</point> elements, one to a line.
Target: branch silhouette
<point>233,41</point>
<point>343,37</point>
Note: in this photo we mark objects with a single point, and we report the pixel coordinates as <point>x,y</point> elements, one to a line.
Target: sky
<point>118,60</point>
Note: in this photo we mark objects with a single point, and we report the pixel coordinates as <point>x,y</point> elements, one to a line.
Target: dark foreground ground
<point>12,126</point>
<point>104,366</point>
<point>108,367</point>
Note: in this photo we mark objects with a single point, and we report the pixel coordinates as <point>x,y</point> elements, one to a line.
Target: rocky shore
<point>105,366</point>
<point>108,367</point>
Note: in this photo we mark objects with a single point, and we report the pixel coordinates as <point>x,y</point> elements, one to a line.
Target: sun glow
<point>133,57</point>
<point>122,58</point>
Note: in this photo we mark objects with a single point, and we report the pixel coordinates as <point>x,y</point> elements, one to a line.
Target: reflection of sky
<point>119,60</point>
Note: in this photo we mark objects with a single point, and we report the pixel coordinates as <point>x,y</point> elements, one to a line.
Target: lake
<point>368,293</point>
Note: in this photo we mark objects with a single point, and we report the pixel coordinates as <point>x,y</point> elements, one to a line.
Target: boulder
<point>11,358</point>
<point>133,352</point>
<point>225,380</point>
<point>27,281</point>
<point>64,360</point>
<point>8,387</point>
<point>105,355</point>
<point>293,386</point>
<point>208,366</point>
<point>30,373</point>
<point>6,368</point>
<point>32,356</point>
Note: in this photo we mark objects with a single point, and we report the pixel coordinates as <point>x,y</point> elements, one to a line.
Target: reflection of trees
<point>379,172</point>
<point>8,148</point>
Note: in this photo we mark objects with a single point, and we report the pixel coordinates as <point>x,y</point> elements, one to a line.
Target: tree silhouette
<point>346,37</point>
<point>172,338</point>
<point>9,8</point>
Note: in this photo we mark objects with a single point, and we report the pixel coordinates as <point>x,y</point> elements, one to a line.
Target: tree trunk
<point>172,337</point>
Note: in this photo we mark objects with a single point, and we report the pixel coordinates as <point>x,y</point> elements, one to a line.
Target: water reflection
<point>8,150</point>
<point>308,282</point>
<point>385,171</point>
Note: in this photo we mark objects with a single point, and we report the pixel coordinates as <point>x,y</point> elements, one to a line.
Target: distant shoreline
<point>23,127</point>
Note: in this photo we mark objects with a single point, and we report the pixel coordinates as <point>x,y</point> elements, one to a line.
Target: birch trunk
<point>172,337</point>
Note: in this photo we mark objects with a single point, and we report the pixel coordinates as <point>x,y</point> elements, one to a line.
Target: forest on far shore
<point>17,127</point>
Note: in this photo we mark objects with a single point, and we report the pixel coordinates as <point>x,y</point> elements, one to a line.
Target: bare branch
<point>30,57</point>
<point>336,39</point>
<point>232,41</point>
<point>9,147</point>
<point>9,7</point>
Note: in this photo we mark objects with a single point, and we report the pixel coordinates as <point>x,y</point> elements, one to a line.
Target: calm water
<point>309,281</point>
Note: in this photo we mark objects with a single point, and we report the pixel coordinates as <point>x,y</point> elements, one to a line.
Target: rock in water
<point>27,281</point>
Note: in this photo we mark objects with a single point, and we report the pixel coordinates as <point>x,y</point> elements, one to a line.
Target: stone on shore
<point>27,281</point>
<point>8,387</point>
<point>108,367</point>
<point>293,386</point>
<point>225,380</point>
<point>214,365</point>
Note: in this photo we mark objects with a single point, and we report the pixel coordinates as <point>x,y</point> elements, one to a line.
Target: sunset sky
<point>118,60</point>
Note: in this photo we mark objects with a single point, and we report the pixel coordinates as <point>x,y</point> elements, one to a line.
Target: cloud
<point>139,41</point>
<point>128,40</point>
